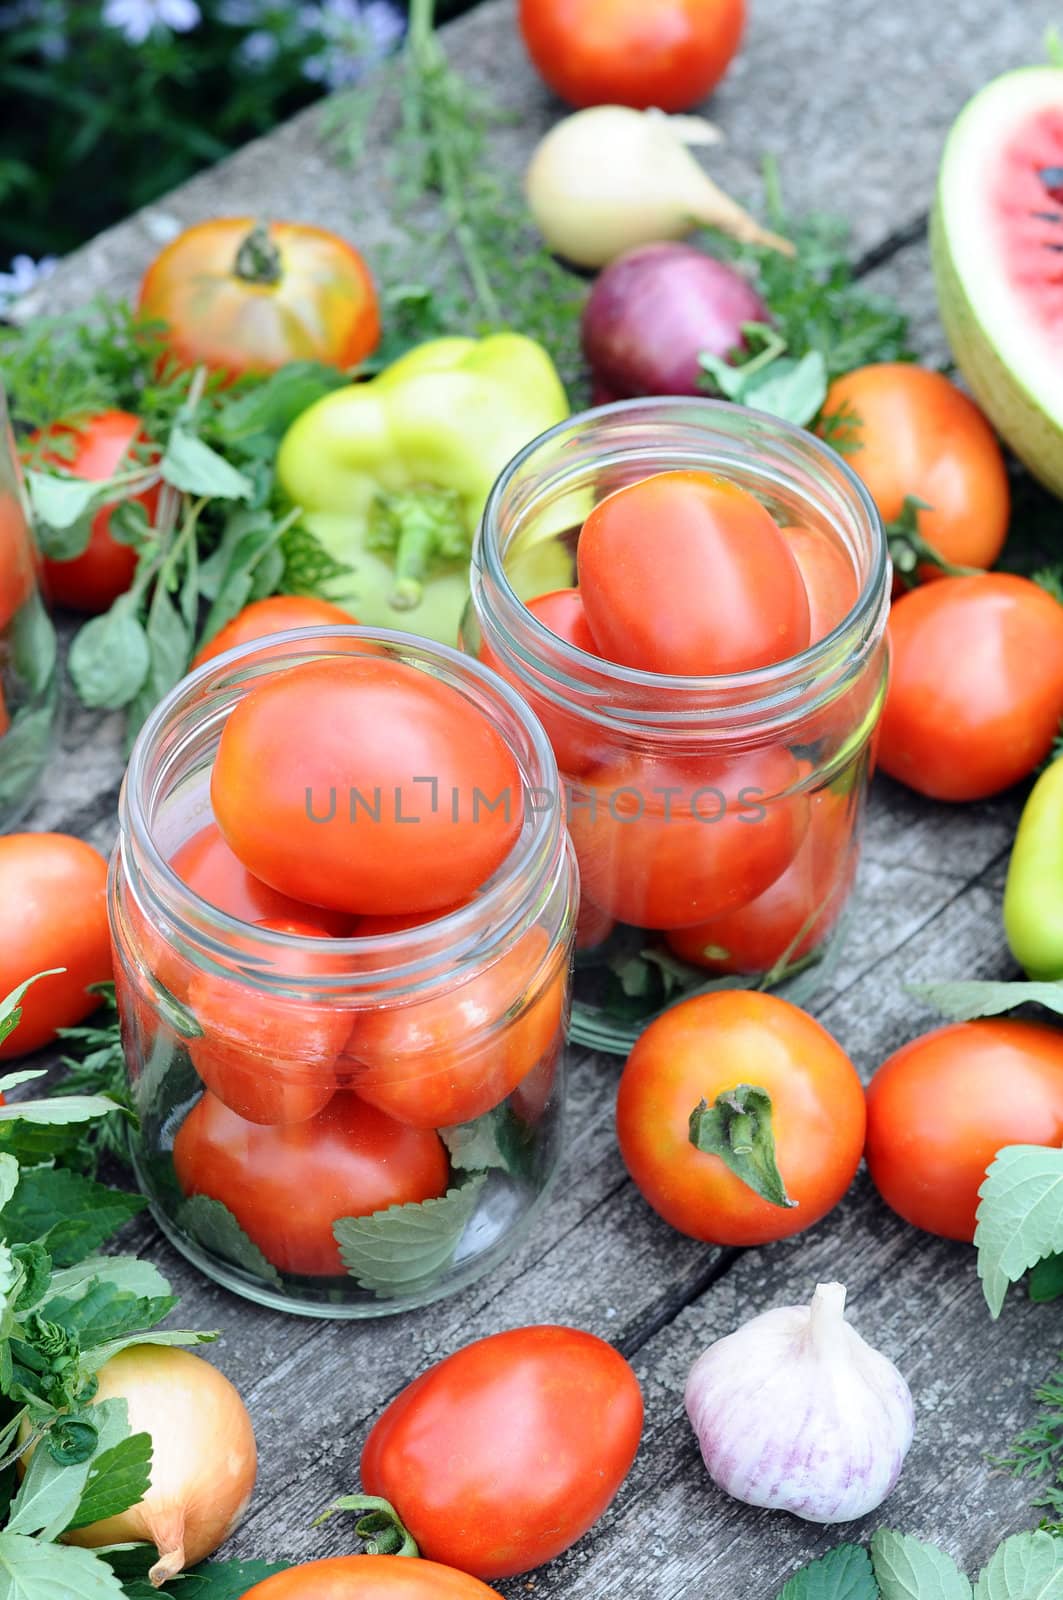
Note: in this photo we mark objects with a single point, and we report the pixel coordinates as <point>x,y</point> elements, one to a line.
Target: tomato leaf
<point>33,1570</point>
<point>906,1569</point>
<point>1028,1566</point>
<point>217,1229</point>
<point>70,1214</point>
<point>842,1574</point>
<point>737,1127</point>
<point>110,658</point>
<point>194,467</point>
<point>394,1251</point>
<point>1020,1217</point>
<point>964,1002</point>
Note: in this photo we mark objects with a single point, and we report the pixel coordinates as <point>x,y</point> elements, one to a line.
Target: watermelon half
<point>997,245</point>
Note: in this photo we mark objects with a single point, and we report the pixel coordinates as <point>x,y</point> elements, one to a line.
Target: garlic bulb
<point>796,1412</point>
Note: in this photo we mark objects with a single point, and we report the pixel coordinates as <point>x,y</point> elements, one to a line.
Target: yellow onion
<point>203,1456</point>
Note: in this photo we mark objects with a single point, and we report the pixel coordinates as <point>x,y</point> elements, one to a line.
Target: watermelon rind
<point>1014,373</point>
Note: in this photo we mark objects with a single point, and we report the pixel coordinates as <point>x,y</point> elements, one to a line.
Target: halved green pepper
<point>1033,894</point>
<point>393,475</point>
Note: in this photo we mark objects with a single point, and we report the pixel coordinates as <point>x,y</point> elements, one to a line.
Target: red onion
<point>654,310</point>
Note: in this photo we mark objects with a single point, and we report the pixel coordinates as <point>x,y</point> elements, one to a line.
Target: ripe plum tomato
<point>269,1060</point>
<point>687,573</point>
<point>241,297</point>
<point>17,558</point>
<point>792,916</point>
<point>940,1109</point>
<point>828,576</point>
<point>572,737</point>
<point>670,844</point>
<point>705,1047</point>
<point>97,448</point>
<point>976,685</point>
<point>275,615</point>
<point>538,1428</point>
<point>54,889</point>
<point>910,432</point>
<point>453,1056</point>
<point>287,1185</point>
<point>670,54</point>
<point>320,769</point>
<point>371,1578</point>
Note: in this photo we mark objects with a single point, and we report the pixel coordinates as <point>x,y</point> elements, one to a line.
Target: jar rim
<point>498,907</point>
<point>768,688</point>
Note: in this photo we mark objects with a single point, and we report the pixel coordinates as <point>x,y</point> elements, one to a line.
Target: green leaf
<point>169,647</point>
<point>11,1016</point>
<point>737,1127</point>
<point>308,566</point>
<point>62,512</point>
<point>110,658</point>
<point>12,1080</point>
<point>273,404</point>
<point>1046,1280</point>
<point>843,1574</point>
<point>30,1570</point>
<point>394,1251</point>
<point>963,1002</point>
<point>72,1215</point>
<point>118,1478</point>
<point>1028,1566</point>
<point>127,1273</point>
<point>779,385</point>
<point>194,467</point>
<point>51,1491</point>
<point>905,1569</point>
<point>214,1580</point>
<point>36,1266</point>
<point>1020,1217</point>
<point>227,577</point>
<point>217,1229</point>
<point>105,1312</point>
<point>9,1174</point>
<point>74,1108</point>
<point>33,645</point>
<point>94,1359</point>
<point>498,1139</point>
<point>24,750</point>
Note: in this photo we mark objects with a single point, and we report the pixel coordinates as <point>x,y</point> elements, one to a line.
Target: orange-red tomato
<point>687,573</point>
<point>287,1185</point>
<point>17,560</point>
<point>365,785</point>
<point>538,1428</point>
<point>54,891</point>
<point>241,298</point>
<point>670,844</point>
<point>451,1057</point>
<point>371,1578</point>
<point>101,446</point>
<point>940,1109</point>
<point>699,1050</point>
<point>828,575</point>
<point>912,432</point>
<point>975,692</point>
<point>206,864</point>
<point>665,53</point>
<point>275,615</point>
<point>799,909</point>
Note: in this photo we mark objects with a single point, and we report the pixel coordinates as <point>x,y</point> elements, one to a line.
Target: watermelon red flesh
<point>1027,199</point>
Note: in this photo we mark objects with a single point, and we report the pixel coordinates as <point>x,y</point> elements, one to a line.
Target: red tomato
<point>572,737</point>
<point>17,560</point>
<point>667,845</point>
<point>687,573</point>
<point>371,1578</point>
<point>92,581</point>
<point>5,715</point>
<point>706,1046</point>
<point>940,1109</point>
<point>537,1427</point>
<point>593,925</point>
<point>206,864</point>
<point>451,1057</point>
<point>912,432</point>
<point>275,615</point>
<point>976,685</point>
<point>242,297</point>
<point>365,785</point>
<point>54,891</point>
<point>828,575</point>
<point>666,53</point>
<point>286,1186</point>
<point>796,913</point>
<point>269,1060</point>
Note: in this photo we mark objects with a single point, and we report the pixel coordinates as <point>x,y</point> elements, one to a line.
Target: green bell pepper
<point>392,476</point>
<point>1033,894</point>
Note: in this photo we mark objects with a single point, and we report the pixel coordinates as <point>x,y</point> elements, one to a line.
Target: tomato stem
<point>379,1525</point>
<point>258,260</point>
<point>737,1127</point>
<point>909,550</point>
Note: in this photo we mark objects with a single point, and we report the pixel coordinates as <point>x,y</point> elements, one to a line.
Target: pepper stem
<point>258,259</point>
<point>420,527</point>
<point>379,1525</point>
<point>737,1128</point>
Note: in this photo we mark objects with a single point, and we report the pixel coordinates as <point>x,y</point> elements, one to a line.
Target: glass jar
<point>715,819</point>
<point>332,1124</point>
<point>29,683</point>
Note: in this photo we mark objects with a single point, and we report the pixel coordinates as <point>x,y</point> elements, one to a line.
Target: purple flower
<point>137,18</point>
<point>24,274</point>
<point>353,35</point>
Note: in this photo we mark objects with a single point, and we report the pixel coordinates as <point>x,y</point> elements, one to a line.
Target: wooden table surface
<point>855,100</point>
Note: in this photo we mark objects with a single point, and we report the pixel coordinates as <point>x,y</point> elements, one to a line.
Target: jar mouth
<point>407,961</point>
<point>684,432</point>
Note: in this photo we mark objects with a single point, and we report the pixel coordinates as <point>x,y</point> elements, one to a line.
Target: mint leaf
<point>396,1250</point>
<point>70,1214</point>
<point>194,467</point>
<point>217,1229</point>
<point>27,746</point>
<point>498,1139</point>
<point>106,1312</point>
<point>963,1002</point>
<point>1046,1280</point>
<point>1020,1217</point>
<point>123,1272</point>
<point>1028,1566</point>
<point>30,1570</point>
<point>843,1574</point>
<point>908,1570</point>
<point>110,657</point>
<point>62,512</point>
<point>93,1360</point>
<point>118,1478</point>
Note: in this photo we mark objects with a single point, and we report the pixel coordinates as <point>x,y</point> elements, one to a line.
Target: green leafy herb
<point>71,1215</point>
<point>1037,1452</point>
<point>33,1570</point>
<point>1028,1566</point>
<point>218,1230</point>
<point>393,1251</point>
<point>11,1016</point>
<point>214,1580</point>
<point>964,1001</point>
<point>770,380</point>
<point>906,1569</point>
<point>498,1139</point>
<point>843,1574</point>
<point>1045,1282</point>
<point>1020,1217</point>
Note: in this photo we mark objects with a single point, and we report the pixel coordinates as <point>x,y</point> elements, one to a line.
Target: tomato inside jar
<point>710,680</point>
<point>343,911</point>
